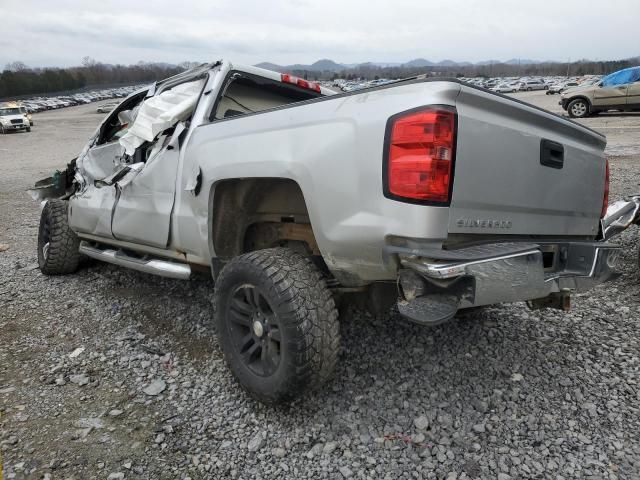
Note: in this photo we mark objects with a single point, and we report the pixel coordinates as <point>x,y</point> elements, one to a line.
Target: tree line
<point>578,68</point>
<point>17,79</point>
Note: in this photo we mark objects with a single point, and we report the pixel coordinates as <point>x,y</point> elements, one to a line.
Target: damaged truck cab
<point>432,194</point>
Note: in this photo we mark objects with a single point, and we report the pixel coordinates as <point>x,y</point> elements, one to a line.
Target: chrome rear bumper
<point>443,281</point>
<point>536,271</point>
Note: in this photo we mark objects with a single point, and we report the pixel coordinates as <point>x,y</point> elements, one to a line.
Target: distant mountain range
<point>326,65</point>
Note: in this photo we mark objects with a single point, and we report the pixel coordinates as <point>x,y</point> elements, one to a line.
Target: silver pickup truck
<point>429,194</point>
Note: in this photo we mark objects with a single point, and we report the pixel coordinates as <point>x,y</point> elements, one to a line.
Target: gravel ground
<point>112,374</point>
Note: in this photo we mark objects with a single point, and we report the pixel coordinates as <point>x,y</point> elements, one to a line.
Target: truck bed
<point>333,148</point>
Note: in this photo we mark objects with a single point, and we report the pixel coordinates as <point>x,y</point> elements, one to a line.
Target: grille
<point>16,121</point>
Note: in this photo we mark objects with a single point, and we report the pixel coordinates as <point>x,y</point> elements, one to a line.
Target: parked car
<point>295,199</point>
<point>106,107</point>
<point>529,85</point>
<point>26,113</point>
<point>617,91</point>
<point>560,87</point>
<point>12,118</point>
<point>504,88</point>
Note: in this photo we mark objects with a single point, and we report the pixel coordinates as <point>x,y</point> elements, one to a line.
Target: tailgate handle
<point>551,154</point>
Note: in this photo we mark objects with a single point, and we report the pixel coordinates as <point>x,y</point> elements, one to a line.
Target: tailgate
<point>523,171</point>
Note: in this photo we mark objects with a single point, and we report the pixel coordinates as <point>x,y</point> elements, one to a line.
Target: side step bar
<point>164,268</point>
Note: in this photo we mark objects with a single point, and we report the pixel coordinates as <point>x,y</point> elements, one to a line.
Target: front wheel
<point>277,324</point>
<point>58,245</point>
<point>28,129</point>
<point>578,108</point>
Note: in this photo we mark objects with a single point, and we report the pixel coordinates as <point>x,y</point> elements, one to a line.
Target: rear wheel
<point>57,244</point>
<point>578,108</point>
<point>277,324</point>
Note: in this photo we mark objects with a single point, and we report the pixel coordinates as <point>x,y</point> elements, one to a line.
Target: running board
<point>154,266</point>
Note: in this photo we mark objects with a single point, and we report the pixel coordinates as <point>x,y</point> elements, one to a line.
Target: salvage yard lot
<point>110,371</point>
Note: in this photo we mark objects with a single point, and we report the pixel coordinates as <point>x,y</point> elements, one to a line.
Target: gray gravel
<point>112,374</point>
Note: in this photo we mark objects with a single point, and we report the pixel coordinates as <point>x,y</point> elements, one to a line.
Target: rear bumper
<point>509,272</point>
<point>435,283</point>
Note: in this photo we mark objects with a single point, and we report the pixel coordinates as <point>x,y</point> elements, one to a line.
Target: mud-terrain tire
<point>277,324</point>
<point>578,108</point>
<point>57,243</point>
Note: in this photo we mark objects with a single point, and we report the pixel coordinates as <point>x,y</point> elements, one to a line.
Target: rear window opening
<point>247,94</point>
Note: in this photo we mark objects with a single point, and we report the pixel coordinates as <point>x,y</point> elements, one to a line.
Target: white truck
<point>14,117</point>
<point>429,194</point>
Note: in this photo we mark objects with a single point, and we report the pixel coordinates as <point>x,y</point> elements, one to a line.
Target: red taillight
<point>421,152</point>
<point>302,83</point>
<point>605,197</point>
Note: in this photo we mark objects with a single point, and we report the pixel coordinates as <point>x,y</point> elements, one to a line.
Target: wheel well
<point>256,213</point>
<point>579,97</point>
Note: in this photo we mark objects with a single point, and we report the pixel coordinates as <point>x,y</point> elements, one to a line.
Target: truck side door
<point>146,193</point>
<point>103,158</point>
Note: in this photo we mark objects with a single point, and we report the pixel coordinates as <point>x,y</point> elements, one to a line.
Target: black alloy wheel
<point>277,324</point>
<point>254,330</point>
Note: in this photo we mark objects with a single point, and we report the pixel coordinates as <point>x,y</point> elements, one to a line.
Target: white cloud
<point>42,33</point>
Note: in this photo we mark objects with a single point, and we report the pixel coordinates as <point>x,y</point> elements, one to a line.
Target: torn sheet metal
<point>161,112</point>
<point>92,211</point>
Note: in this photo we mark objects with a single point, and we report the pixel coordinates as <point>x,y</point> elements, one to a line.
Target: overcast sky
<point>62,32</point>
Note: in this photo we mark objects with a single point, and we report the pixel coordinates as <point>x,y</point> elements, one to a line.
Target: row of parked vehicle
<point>552,85</point>
<point>39,104</point>
<point>16,115</point>
<point>350,85</point>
